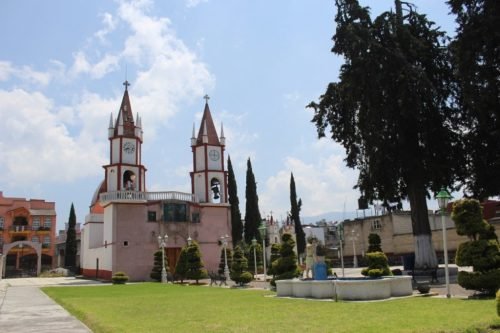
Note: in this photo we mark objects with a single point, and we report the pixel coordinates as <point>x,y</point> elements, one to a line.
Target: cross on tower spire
<point>206,97</point>
<point>126,84</point>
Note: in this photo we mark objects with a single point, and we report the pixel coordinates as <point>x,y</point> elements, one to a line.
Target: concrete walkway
<point>25,308</point>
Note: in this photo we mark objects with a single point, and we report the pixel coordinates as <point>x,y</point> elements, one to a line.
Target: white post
<point>226,269</point>
<point>342,258</point>
<point>162,242</point>
<point>264,255</point>
<point>445,251</point>
<point>355,259</point>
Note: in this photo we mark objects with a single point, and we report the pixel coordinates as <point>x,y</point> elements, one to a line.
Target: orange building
<point>27,236</point>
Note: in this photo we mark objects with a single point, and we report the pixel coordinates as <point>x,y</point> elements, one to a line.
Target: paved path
<point>25,308</point>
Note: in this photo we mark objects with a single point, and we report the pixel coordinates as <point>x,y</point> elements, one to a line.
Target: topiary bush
<point>239,268</point>
<point>157,268</point>
<point>119,278</point>
<point>378,265</point>
<point>285,267</point>
<point>374,242</point>
<point>482,251</point>
<point>498,302</point>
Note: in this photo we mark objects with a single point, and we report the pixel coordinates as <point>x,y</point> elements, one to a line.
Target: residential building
<point>27,236</point>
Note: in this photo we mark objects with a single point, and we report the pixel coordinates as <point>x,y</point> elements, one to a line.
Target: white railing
<point>146,196</point>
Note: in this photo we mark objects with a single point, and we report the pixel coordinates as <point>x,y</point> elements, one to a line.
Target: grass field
<point>153,307</point>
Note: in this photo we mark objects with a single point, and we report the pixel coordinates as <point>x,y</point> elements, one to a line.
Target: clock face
<point>129,147</point>
<point>214,155</point>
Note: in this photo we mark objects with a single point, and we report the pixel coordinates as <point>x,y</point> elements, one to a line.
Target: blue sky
<point>62,65</point>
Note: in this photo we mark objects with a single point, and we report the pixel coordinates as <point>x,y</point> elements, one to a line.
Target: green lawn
<point>153,307</point>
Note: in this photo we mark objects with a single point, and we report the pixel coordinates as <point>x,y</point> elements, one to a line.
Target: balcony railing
<point>123,196</point>
<point>20,228</point>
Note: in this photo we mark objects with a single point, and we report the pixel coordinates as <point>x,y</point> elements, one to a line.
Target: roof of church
<point>125,116</point>
<point>207,124</point>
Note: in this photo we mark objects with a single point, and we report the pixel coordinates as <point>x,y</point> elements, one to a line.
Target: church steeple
<point>125,170</point>
<point>208,179</point>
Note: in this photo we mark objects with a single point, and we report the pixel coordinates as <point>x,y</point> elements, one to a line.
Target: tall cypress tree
<point>391,110</point>
<point>295,215</point>
<point>252,213</point>
<point>71,248</point>
<point>236,224</point>
<point>476,58</point>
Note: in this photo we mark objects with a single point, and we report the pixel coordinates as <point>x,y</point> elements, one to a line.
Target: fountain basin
<point>347,288</point>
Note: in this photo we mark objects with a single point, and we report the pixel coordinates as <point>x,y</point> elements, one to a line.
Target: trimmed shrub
<point>156,271</point>
<point>239,268</point>
<point>285,267</point>
<point>374,243</point>
<point>119,278</point>
<point>482,251</point>
<point>378,265</point>
<point>498,302</point>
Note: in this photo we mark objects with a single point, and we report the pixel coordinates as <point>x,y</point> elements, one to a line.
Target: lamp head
<point>443,197</point>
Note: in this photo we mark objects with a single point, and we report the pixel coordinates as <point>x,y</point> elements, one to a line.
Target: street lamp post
<point>355,259</point>
<point>162,243</point>
<point>341,237</point>
<point>254,243</point>
<point>443,197</point>
<point>224,244</point>
<point>262,230</point>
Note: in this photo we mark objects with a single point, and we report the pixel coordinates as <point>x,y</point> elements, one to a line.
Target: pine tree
<point>295,215</point>
<point>275,255</point>
<point>391,110</point>
<point>71,246</point>
<point>252,213</point>
<point>236,224</point>
<point>157,267</point>
<point>476,59</point>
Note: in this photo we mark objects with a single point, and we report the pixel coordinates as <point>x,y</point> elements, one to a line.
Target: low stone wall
<point>346,289</point>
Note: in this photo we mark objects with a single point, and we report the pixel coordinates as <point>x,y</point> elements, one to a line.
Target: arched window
<point>129,180</point>
<point>215,187</point>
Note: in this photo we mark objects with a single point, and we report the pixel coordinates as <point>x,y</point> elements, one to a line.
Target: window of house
<point>36,223</point>
<point>1,222</point>
<point>35,239</point>
<point>376,225</point>
<point>47,222</point>
<point>1,240</point>
<point>46,240</point>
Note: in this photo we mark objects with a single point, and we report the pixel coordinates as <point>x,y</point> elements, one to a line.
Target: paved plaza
<point>25,308</point>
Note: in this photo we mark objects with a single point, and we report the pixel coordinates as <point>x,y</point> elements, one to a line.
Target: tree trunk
<point>425,255</point>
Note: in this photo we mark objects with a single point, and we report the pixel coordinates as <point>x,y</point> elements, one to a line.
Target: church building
<point>122,230</point>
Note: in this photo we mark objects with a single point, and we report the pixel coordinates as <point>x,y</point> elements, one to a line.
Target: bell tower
<point>208,178</point>
<point>125,171</point>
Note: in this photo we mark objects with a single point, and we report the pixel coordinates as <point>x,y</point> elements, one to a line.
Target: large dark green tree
<point>71,246</point>
<point>295,216</point>
<point>252,213</point>
<point>476,58</point>
<point>236,224</point>
<point>391,110</point>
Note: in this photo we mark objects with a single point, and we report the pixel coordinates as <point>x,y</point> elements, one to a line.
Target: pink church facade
<point>125,220</point>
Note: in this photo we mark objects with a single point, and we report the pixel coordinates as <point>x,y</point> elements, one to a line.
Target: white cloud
<point>24,73</point>
<point>109,25</point>
<point>36,146</point>
<point>324,186</point>
<point>194,3</point>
